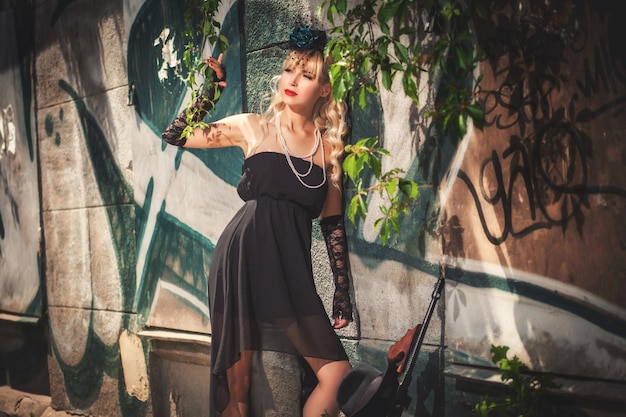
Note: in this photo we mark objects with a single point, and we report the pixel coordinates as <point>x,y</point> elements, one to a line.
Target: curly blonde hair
<point>329,116</point>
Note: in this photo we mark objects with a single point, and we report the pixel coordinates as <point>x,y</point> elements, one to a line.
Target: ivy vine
<point>377,42</point>
<point>201,28</point>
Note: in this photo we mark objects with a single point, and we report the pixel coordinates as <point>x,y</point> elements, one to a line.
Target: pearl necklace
<point>309,156</point>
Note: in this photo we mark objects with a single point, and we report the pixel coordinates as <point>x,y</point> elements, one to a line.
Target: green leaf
<point>382,47</point>
<point>332,10</point>
<point>223,43</point>
<point>387,11</point>
<point>350,168</point>
<point>342,6</point>
<point>384,28</point>
<point>382,151</point>
<point>402,53</point>
<point>340,81</point>
<point>477,114</point>
<point>392,186</point>
<point>353,208</point>
<point>462,126</point>
<point>498,353</point>
<point>384,233</point>
<point>362,98</point>
<point>409,188</point>
<point>375,164</point>
<point>362,207</point>
<point>386,79</point>
<point>410,88</point>
<point>395,225</point>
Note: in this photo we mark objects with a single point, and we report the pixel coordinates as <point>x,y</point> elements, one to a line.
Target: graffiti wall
<point>85,131</point>
<point>20,237</point>
<point>22,338</point>
<point>534,203</point>
<point>184,198</point>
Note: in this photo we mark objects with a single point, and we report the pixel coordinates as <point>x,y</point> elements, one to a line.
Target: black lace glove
<point>334,233</point>
<point>199,109</point>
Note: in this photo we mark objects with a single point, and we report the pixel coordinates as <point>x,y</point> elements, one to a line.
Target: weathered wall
<point>19,205</point>
<point>21,287</point>
<point>535,206</point>
<point>85,131</point>
<point>525,217</point>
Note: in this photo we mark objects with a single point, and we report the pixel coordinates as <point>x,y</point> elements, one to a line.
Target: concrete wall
<point>107,234</point>
<point>538,197</point>
<point>22,290</point>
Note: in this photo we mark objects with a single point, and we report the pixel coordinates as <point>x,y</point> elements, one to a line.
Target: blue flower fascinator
<point>306,38</point>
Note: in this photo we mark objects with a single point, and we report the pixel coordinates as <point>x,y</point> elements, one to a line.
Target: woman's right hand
<point>216,65</point>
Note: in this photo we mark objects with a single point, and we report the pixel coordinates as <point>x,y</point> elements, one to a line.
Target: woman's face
<point>299,83</point>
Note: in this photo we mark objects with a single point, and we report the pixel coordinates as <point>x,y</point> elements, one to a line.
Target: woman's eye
<point>287,69</point>
<point>309,77</point>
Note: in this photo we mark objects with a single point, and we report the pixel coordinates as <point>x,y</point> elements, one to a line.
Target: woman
<point>261,290</point>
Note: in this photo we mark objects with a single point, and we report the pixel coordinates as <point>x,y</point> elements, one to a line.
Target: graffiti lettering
<point>508,106</point>
<point>553,175</point>
<point>603,76</point>
<point>547,162</point>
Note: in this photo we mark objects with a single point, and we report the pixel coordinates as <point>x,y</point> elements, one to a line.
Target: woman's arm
<point>230,131</point>
<point>236,130</point>
<point>334,232</point>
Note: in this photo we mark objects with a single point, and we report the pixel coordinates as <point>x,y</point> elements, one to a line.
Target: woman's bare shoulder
<point>243,120</point>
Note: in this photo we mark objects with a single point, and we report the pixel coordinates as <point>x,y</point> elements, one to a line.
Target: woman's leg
<point>323,399</point>
<point>238,377</point>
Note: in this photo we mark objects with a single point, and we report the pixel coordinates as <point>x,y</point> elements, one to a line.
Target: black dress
<point>261,290</point>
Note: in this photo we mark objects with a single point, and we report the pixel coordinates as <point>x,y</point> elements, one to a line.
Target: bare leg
<point>323,399</point>
<point>238,377</point>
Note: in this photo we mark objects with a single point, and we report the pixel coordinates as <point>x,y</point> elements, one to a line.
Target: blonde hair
<point>328,115</point>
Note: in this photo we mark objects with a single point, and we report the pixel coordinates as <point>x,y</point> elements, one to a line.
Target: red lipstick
<point>290,93</point>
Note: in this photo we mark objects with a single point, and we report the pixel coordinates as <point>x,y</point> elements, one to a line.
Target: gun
<point>402,400</point>
<point>367,392</point>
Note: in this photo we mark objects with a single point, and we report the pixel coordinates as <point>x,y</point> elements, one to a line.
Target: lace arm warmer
<point>203,104</point>
<point>334,233</point>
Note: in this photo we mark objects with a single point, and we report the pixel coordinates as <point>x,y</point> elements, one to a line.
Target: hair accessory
<point>306,38</point>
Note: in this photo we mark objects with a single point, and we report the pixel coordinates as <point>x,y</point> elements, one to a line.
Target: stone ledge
<point>14,403</point>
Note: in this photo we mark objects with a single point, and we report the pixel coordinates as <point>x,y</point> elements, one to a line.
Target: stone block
<point>14,403</point>
<point>262,66</point>
<point>116,122</point>
<point>112,252</point>
<point>68,253</point>
<point>392,298</point>
<point>72,41</point>
<point>165,301</point>
<point>85,364</point>
<point>67,179</point>
<point>261,32</point>
<point>86,152</point>
<point>179,378</point>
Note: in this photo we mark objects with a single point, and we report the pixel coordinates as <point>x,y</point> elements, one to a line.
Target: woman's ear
<point>326,89</point>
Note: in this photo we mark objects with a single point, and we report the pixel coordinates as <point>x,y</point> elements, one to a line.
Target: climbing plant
<point>526,394</point>
<point>201,28</point>
<point>377,42</point>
